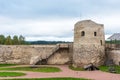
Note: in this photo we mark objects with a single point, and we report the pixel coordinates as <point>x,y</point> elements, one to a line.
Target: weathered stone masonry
<point>88,47</point>
<point>89,44</point>
<point>34,54</point>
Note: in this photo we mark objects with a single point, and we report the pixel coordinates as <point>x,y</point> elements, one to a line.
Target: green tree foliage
<point>46,42</point>
<point>8,40</point>
<point>2,39</point>
<point>15,40</point>
<point>21,40</point>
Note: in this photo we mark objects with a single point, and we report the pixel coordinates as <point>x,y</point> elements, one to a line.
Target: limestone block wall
<point>89,44</point>
<point>89,54</point>
<point>114,55</point>
<point>25,54</point>
<point>62,56</point>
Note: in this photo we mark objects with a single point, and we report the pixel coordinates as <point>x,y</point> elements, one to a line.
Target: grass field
<point>102,68</point>
<point>52,79</point>
<point>39,69</point>
<point>76,69</point>
<point>106,69</point>
<point>5,65</point>
<point>11,74</point>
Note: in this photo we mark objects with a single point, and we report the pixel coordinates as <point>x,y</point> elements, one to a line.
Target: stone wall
<point>62,56</point>
<point>89,44</point>
<point>89,54</point>
<point>28,54</point>
<point>113,53</point>
<point>88,47</point>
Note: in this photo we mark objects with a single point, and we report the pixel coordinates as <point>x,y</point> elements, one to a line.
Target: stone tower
<point>89,44</point>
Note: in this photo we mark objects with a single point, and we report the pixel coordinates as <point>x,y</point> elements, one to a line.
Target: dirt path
<point>66,72</point>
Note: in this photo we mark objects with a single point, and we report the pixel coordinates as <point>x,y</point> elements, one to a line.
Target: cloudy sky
<point>55,19</point>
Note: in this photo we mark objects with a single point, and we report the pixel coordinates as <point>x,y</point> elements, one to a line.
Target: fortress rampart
<point>41,54</point>
<point>88,47</point>
<point>35,54</point>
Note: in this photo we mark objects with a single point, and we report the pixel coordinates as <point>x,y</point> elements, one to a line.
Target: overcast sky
<point>55,19</point>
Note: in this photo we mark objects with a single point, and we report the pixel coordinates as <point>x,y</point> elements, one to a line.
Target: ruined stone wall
<point>113,53</point>
<point>26,54</point>
<point>62,56</point>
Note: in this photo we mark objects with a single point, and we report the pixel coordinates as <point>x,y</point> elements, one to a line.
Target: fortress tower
<point>89,44</point>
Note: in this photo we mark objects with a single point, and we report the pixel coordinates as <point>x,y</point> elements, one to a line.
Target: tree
<point>21,39</point>
<point>2,39</point>
<point>8,40</point>
<point>15,40</point>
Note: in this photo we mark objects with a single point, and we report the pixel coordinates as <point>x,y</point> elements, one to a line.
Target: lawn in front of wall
<point>102,68</point>
<point>75,69</point>
<point>51,79</point>
<point>11,74</point>
<point>106,69</point>
<point>5,65</point>
<point>37,69</point>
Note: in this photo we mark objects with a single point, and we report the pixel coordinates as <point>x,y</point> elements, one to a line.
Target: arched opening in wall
<point>42,62</point>
<point>101,42</point>
<point>95,33</point>
<point>82,33</point>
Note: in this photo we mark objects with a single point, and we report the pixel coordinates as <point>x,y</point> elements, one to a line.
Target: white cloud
<point>49,38</point>
<point>36,29</point>
<point>107,36</point>
<point>54,29</point>
<point>110,21</point>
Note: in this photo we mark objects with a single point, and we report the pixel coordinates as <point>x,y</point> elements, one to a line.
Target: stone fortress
<point>88,47</point>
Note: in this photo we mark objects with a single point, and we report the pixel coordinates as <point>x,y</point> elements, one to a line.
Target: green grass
<point>5,65</point>
<point>11,74</point>
<point>51,79</point>
<point>76,69</point>
<point>102,68</point>
<point>106,69</point>
<point>40,69</point>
